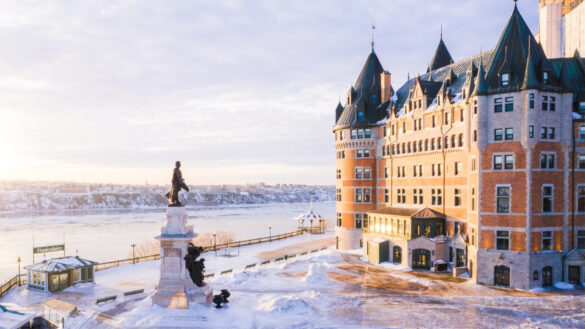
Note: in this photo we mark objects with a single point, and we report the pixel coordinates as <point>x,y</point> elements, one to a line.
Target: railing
<point>13,282</point>
<point>4,288</point>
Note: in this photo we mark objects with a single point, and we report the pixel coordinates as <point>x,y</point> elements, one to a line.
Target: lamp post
<point>133,253</point>
<point>215,243</point>
<point>320,225</point>
<point>19,271</point>
<point>311,226</point>
<point>270,233</point>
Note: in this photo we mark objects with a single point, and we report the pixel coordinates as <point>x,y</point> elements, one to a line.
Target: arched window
<point>446,142</point>
<point>438,143</point>
<point>460,140</point>
<point>420,149</point>
<point>432,144</point>
<point>453,141</point>
<point>426,144</point>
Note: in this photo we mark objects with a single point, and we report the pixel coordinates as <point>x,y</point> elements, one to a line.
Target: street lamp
<point>19,271</point>
<point>321,225</point>
<point>133,253</point>
<point>215,243</point>
<point>270,233</point>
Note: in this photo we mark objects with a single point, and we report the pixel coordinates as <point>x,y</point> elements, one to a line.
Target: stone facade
<point>561,29</point>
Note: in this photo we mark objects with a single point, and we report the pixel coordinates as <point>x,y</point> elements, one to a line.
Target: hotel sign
<point>46,249</point>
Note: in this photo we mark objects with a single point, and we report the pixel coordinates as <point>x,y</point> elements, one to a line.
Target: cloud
<point>137,84</point>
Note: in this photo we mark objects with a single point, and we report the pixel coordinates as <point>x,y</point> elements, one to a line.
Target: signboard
<point>46,249</point>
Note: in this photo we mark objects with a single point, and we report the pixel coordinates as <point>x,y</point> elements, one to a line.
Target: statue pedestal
<point>175,287</point>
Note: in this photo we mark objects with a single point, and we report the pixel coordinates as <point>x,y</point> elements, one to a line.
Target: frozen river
<point>107,235</point>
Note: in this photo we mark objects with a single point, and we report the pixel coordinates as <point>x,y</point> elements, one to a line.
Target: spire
<point>482,87</point>
<point>373,28</point>
<point>530,79</point>
<point>442,57</point>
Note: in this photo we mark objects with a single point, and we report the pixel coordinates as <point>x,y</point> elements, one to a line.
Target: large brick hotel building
<point>476,166</point>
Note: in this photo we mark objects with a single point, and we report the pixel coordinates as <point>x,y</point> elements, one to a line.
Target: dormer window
<point>545,77</point>
<point>360,115</point>
<point>582,107</point>
<point>374,98</point>
<point>506,79</point>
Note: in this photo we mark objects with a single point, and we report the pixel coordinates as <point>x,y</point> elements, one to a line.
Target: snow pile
<point>286,304</point>
<point>317,273</point>
<point>564,285</point>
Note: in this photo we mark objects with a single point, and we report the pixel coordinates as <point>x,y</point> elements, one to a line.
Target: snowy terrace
<point>324,289</point>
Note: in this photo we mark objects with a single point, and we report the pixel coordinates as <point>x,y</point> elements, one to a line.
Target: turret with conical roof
<point>361,109</point>
<point>441,58</point>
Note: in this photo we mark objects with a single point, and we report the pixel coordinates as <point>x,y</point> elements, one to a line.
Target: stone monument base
<point>199,295</point>
<point>170,294</point>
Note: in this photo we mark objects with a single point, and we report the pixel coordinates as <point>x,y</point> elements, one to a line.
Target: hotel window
<point>581,132</point>
<point>505,79</point>
<point>432,144</point>
<point>368,133</point>
<point>458,168</point>
<point>386,172</point>
<point>433,121</point>
<point>509,134</point>
<point>502,240</point>
<point>446,142</point>
<point>338,219</point>
<point>453,141</point>
<point>338,173</point>
<point>545,77</point>
<point>545,103</point>
<point>401,196</point>
<point>547,198</point>
<point>475,135</point>
<point>552,106</point>
<point>498,105</point>
<point>509,104</point>
<point>457,197</point>
<point>353,134</point>
<point>426,144</point>
<point>446,122</point>
<point>338,194</point>
<point>460,140</point>
<point>508,161</point>
<point>358,221</point>
<point>473,199</point>
<point>367,173</point>
<point>531,101</point>
<point>461,115</point>
<point>498,134</point>
<point>360,133</point>
<point>362,195</point>
<point>436,197</point>
<point>502,199</point>
<point>547,240</point>
<point>581,161</point>
<point>498,162</point>
<point>547,161</point>
<point>360,115</point>
<point>531,131</point>
<point>581,239</point>
<point>439,143</point>
<point>475,107</point>
<point>386,195</point>
<point>359,154</point>
<point>359,173</point>
<point>551,133</point>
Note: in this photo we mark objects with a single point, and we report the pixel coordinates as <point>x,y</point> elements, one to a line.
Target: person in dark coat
<point>176,185</point>
<point>195,267</point>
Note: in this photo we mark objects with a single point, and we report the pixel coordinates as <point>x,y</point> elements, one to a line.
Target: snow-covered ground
<point>326,289</point>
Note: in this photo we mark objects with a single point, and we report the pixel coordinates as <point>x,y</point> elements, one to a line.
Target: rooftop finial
<point>373,28</point>
<point>441,31</point>
<point>515,3</point>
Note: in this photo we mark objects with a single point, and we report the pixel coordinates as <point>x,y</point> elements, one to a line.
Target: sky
<point>238,91</point>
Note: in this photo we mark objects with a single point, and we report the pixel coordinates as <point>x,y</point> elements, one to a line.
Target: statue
<point>194,266</point>
<point>176,184</point>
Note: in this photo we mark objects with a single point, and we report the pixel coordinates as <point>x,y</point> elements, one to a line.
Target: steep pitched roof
<point>367,84</point>
<point>515,47</point>
<point>441,58</point>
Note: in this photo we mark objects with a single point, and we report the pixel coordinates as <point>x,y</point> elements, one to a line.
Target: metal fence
<point>13,282</point>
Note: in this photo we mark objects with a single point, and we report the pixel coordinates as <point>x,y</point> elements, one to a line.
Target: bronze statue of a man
<point>176,184</point>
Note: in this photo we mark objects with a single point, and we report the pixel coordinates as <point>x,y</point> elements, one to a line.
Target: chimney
<point>385,86</point>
